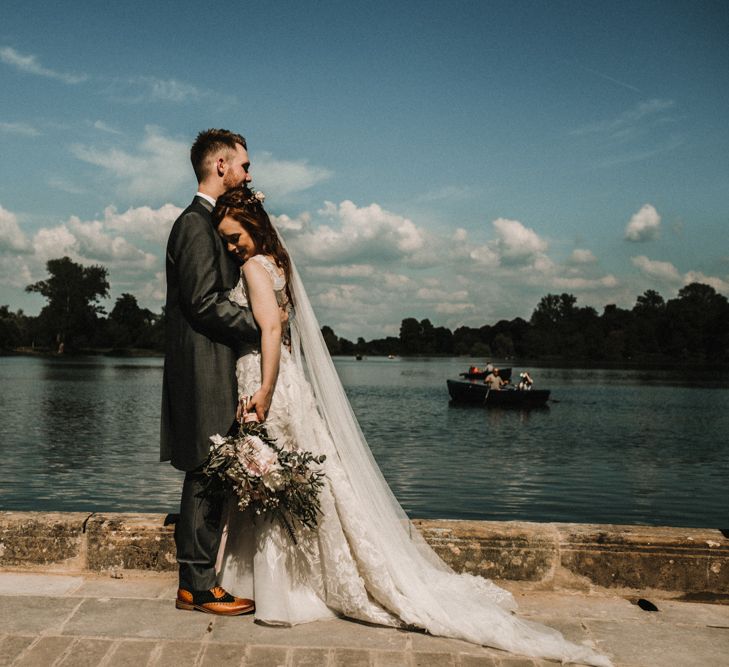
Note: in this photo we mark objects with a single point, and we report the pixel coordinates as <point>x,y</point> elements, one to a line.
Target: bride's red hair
<point>241,204</point>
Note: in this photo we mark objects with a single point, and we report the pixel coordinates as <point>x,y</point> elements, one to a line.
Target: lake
<point>614,446</point>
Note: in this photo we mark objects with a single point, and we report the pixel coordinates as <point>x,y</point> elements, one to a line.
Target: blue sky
<point>455,161</point>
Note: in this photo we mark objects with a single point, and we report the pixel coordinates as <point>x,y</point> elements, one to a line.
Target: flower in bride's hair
<point>260,196</point>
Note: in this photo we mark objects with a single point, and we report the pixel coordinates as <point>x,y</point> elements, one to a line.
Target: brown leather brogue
<point>214,601</point>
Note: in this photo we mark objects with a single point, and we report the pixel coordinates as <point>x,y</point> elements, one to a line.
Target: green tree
<point>71,315</point>
<point>331,340</point>
<point>128,321</point>
<point>410,336</point>
<point>13,329</point>
<point>697,324</point>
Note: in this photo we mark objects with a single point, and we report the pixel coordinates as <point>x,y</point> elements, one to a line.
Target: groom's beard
<point>231,181</point>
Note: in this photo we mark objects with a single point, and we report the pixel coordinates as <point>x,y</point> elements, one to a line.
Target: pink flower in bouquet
<point>257,457</point>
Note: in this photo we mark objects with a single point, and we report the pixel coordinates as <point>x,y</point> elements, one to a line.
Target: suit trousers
<point>198,534</point>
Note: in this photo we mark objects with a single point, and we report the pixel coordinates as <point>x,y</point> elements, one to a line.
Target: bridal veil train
<point>366,560</point>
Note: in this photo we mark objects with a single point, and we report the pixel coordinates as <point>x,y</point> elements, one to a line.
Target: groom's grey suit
<point>205,333</point>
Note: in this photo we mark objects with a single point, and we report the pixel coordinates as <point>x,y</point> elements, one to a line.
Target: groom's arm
<point>203,298</point>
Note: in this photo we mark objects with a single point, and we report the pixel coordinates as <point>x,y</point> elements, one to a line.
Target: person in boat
<point>494,380</point>
<point>526,382</point>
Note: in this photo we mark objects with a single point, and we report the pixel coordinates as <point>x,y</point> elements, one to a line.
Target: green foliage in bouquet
<point>269,479</point>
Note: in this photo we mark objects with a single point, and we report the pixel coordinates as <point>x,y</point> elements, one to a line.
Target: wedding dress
<point>365,561</point>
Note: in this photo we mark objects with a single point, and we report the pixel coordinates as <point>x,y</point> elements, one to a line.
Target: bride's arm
<point>268,318</point>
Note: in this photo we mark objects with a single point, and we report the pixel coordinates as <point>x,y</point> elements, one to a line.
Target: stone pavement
<point>79,620</point>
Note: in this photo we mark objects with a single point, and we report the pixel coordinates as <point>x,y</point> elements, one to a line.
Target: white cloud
<point>582,256</point>
<point>154,290</point>
<point>137,89</point>
<point>644,225</point>
<point>579,283</point>
<point>365,234</point>
<point>104,127</point>
<point>516,243</point>
<point>449,308</point>
<point>143,222</point>
<point>94,242</point>
<point>347,271</point>
<point>12,237</point>
<point>460,235</point>
<point>20,129</point>
<point>158,167</point>
<point>170,90</point>
<point>484,254</point>
<point>430,294</point>
<point>287,224</point>
<point>718,284</point>
<point>64,185</point>
<point>656,269</point>
<point>30,65</point>
<point>279,178</point>
<point>49,243</point>
<point>623,125</point>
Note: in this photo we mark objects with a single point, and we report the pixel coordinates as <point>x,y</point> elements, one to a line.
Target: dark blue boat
<point>464,391</point>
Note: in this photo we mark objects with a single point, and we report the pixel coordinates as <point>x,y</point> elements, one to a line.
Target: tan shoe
<point>214,601</point>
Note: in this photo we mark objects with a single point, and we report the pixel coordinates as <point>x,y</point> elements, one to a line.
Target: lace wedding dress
<point>365,561</point>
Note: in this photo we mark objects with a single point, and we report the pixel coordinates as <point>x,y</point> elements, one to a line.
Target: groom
<point>204,333</point>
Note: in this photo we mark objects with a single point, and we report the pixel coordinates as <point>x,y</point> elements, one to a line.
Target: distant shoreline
<point>551,362</point>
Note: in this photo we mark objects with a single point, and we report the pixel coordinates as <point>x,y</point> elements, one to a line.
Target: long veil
<point>433,597</point>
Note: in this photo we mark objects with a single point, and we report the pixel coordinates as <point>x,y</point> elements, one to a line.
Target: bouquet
<point>270,480</point>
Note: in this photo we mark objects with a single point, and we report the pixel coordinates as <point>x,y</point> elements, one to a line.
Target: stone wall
<point>550,555</point>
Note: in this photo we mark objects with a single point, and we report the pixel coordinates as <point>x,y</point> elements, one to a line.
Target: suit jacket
<point>205,333</point>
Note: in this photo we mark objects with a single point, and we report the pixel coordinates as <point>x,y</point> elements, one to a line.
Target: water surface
<point>614,446</point>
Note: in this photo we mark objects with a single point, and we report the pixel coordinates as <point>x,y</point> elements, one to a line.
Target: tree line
<point>73,318</point>
<point>692,327</point>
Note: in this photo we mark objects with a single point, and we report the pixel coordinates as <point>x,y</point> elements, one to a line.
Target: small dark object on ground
<point>645,605</point>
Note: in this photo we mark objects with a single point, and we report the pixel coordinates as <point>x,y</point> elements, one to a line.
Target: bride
<point>365,560</point>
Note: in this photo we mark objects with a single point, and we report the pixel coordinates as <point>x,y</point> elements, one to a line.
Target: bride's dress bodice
<point>239,294</point>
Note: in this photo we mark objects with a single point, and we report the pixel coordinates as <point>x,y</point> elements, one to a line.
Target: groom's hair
<point>209,142</point>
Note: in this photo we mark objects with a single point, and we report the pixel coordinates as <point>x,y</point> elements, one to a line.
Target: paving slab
<point>28,615</point>
<point>693,613</point>
<point>17,583</point>
<point>656,644</point>
<point>332,633</point>
<point>11,646</point>
<point>223,655</point>
<point>266,656</point>
<point>178,654</point>
<point>147,587</point>
<point>478,661</point>
<point>389,659</point>
<point>581,606</point>
<point>349,657</point>
<point>119,622</point>
<point>130,652</point>
<point>309,657</point>
<point>45,651</point>
<point>86,652</point>
<point>145,619</point>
